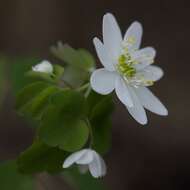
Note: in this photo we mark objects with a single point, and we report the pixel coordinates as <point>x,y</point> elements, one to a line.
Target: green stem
<point>87,91</point>
<point>67,84</point>
<point>91,133</point>
<point>83,87</point>
<point>62,83</point>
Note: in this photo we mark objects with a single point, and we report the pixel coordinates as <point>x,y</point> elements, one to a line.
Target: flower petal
<point>85,158</point>
<point>153,73</point>
<point>74,157</point>
<point>144,57</point>
<point>103,81</point>
<point>137,111</point>
<point>103,55</point>
<point>122,92</point>
<point>103,165</point>
<point>151,102</point>
<point>97,166</point>
<point>112,37</point>
<point>133,35</point>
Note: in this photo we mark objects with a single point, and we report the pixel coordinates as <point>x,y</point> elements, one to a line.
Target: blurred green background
<point>152,157</point>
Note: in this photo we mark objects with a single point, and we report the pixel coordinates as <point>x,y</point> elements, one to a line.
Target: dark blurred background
<point>153,157</point>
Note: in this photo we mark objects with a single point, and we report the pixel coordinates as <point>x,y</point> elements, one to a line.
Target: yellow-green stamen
<point>125,65</point>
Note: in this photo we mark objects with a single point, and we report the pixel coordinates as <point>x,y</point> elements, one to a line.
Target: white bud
<point>44,67</point>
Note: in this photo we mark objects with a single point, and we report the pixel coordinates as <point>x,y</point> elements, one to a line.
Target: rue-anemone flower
<point>43,67</point>
<point>127,69</point>
<point>87,159</point>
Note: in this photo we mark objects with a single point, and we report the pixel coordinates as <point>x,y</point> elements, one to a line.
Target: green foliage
<point>18,68</point>
<point>82,182</point>
<point>33,99</point>
<point>63,124</point>
<point>40,157</point>
<point>70,102</point>
<point>58,72</point>
<point>75,76</point>
<point>12,179</point>
<point>80,58</point>
<point>51,78</point>
<point>100,106</point>
<point>100,109</point>
<point>67,119</point>
<point>79,63</point>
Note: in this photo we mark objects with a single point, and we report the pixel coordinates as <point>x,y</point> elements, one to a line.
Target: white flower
<point>44,67</point>
<point>87,159</point>
<point>127,69</point>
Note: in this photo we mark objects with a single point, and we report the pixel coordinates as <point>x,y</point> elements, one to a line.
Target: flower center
<point>125,65</point>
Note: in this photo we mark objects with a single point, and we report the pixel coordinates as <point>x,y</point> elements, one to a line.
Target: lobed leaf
<point>100,110</point>
<point>63,124</point>
<point>40,157</point>
<point>34,98</point>
<point>80,58</point>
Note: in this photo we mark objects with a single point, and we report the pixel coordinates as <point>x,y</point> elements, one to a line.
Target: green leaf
<point>86,59</point>
<point>100,110</point>
<point>51,78</point>
<point>102,133</point>
<point>40,157</point>
<point>100,106</point>
<point>58,71</point>
<point>12,179</point>
<point>39,76</point>
<point>82,181</point>
<point>75,76</point>
<point>34,98</point>
<point>18,68</point>
<point>77,58</point>
<point>65,131</point>
<point>70,102</point>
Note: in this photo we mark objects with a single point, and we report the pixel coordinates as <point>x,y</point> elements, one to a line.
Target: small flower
<point>127,69</point>
<point>87,159</point>
<point>44,67</point>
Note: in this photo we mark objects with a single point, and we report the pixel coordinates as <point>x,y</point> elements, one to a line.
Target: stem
<point>91,133</point>
<point>83,87</point>
<point>63,83</point>
<point>43,184</point>
<point>87,91</point>
<point>67,84</point>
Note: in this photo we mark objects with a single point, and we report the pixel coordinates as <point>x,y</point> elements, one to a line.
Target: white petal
<point>134,34</point>
<point>103,164</point>
<point>103,81</point>
<point>86,158</point>
<point>137,111</point>
<point>97,166</point>
<point>73,158</point>
<point>122,92</point>
<point>144,57</point>
<point>103,55</point>
<point>153,73</point>
<point>150,101</point>
<point>112,37</point>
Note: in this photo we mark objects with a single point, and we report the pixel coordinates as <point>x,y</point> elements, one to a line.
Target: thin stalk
<point>87,91</point>
<point>85,86</point>
<point>91,133</point>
